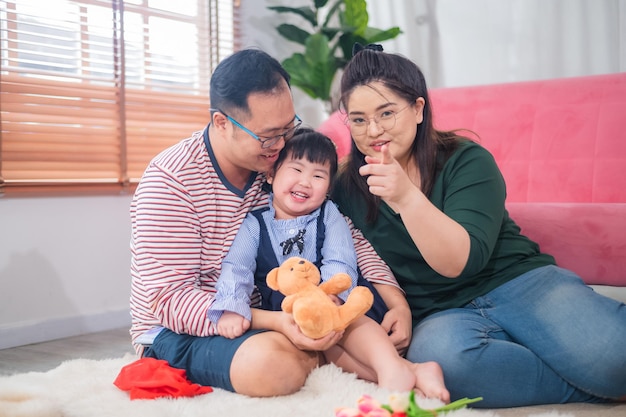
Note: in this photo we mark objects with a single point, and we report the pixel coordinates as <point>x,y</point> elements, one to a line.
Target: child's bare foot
<point>429,380</point>
<point>397,377</point>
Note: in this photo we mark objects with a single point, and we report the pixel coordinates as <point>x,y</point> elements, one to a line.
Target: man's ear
<point>219,120</point>
<point>269,176</point>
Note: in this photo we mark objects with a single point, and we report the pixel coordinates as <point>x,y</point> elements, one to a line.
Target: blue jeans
<point>542,338</point>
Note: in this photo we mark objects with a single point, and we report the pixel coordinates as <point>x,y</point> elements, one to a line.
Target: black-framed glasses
<point>386,120</point>
<point>265,141</point>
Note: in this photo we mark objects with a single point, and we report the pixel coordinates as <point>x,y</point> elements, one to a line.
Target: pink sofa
<point>561,146</point>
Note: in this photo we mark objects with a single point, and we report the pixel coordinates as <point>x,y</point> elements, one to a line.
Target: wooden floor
<point>42,357</point>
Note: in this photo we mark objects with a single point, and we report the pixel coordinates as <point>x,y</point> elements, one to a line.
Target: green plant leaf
<point>346,42</point>
<point>332,11</point>
<point>298,69</point>
<point>314,71</point>
<point>317,49</point>
<point>373,35</point>
<point>321,63</point>
<point>328,47</point>
<point>305,78</point>
<point>306,12</point>
<point>330,32</point>
<point>355,15</point>
<point>293,33</point>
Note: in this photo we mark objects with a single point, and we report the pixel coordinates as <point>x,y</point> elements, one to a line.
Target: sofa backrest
<point>557,140</point>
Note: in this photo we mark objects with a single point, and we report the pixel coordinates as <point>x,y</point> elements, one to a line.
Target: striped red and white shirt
<point>184,217</point>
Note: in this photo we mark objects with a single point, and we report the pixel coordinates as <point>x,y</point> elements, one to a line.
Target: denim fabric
<point>206,360</point>
<point>544,337</point>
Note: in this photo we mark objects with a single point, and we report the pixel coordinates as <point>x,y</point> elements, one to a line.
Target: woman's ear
<point>419,109</point>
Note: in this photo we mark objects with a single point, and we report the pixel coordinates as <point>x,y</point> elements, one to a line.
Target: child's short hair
<point>312,146</point>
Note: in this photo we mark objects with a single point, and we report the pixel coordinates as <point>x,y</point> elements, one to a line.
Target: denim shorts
<point>206,360</point>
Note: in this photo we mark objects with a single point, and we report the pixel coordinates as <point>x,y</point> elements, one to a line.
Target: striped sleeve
<point>166,250</point>
<point>183,222</point>
<point>373,268</point>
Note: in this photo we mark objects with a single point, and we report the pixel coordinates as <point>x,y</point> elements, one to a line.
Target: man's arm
<point>397,321</point>
<point>166,247</point>
<point>373,268</point>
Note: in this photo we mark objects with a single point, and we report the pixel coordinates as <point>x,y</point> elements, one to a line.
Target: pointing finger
<point>386,157</point>
<point>372,160</point>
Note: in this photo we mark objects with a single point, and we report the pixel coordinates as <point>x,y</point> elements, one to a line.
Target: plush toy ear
<point>272,279</point>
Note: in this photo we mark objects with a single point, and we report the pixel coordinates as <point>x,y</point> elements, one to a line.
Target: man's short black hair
<point>242,73</point>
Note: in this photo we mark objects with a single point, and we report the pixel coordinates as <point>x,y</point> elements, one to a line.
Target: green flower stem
<point>415,411</point>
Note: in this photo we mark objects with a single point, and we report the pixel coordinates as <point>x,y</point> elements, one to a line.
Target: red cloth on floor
<point>149,378</point>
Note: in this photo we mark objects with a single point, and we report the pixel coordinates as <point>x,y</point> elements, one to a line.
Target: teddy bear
<point>313,310</point>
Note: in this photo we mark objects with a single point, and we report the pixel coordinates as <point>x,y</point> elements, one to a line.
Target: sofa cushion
<point>336,128</point>
<point>587,238</point>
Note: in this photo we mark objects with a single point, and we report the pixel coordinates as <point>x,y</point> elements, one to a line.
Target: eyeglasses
<point>265,141</point>
<point>386,120</point>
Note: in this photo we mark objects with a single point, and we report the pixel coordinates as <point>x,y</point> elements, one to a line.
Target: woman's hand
<point>399,329</point>
<point>398,320</point>
<point>444,243</point>
<point>388,180</point>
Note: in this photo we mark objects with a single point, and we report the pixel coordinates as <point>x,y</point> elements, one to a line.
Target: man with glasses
<point>265,142</point>
<point>185,214</point>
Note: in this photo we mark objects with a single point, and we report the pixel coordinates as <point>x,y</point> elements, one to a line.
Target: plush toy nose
<point>301,262</point>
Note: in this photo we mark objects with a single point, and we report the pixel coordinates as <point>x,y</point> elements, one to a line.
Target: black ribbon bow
<point>297,240</point>
<point>357,47</point>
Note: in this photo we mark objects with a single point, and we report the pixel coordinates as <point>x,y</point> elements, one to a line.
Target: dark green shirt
<point>469,189</point>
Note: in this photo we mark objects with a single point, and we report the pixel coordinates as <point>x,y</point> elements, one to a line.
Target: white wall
<point>64,262</point>
<point>471,42</point>
<point>461,43</point>
<point>64,267</point>
<point>260,31</point>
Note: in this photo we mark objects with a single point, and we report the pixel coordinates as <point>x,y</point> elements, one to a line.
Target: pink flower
<point>347,412</point>
<point>398,407</point>
<point>366,404</point>
<point>369,407</point>
<point>380,412</point>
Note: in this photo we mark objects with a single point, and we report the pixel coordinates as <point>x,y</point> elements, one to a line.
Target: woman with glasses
<point>503,321</point>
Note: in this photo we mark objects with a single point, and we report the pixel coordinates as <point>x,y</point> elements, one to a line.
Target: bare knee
<point>287,374</point>
<point>268,364</point>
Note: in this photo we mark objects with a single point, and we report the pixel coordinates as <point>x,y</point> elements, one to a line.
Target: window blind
<point>91,90</point>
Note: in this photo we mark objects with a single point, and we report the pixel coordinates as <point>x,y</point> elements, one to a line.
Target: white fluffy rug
<point>84,388</point>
